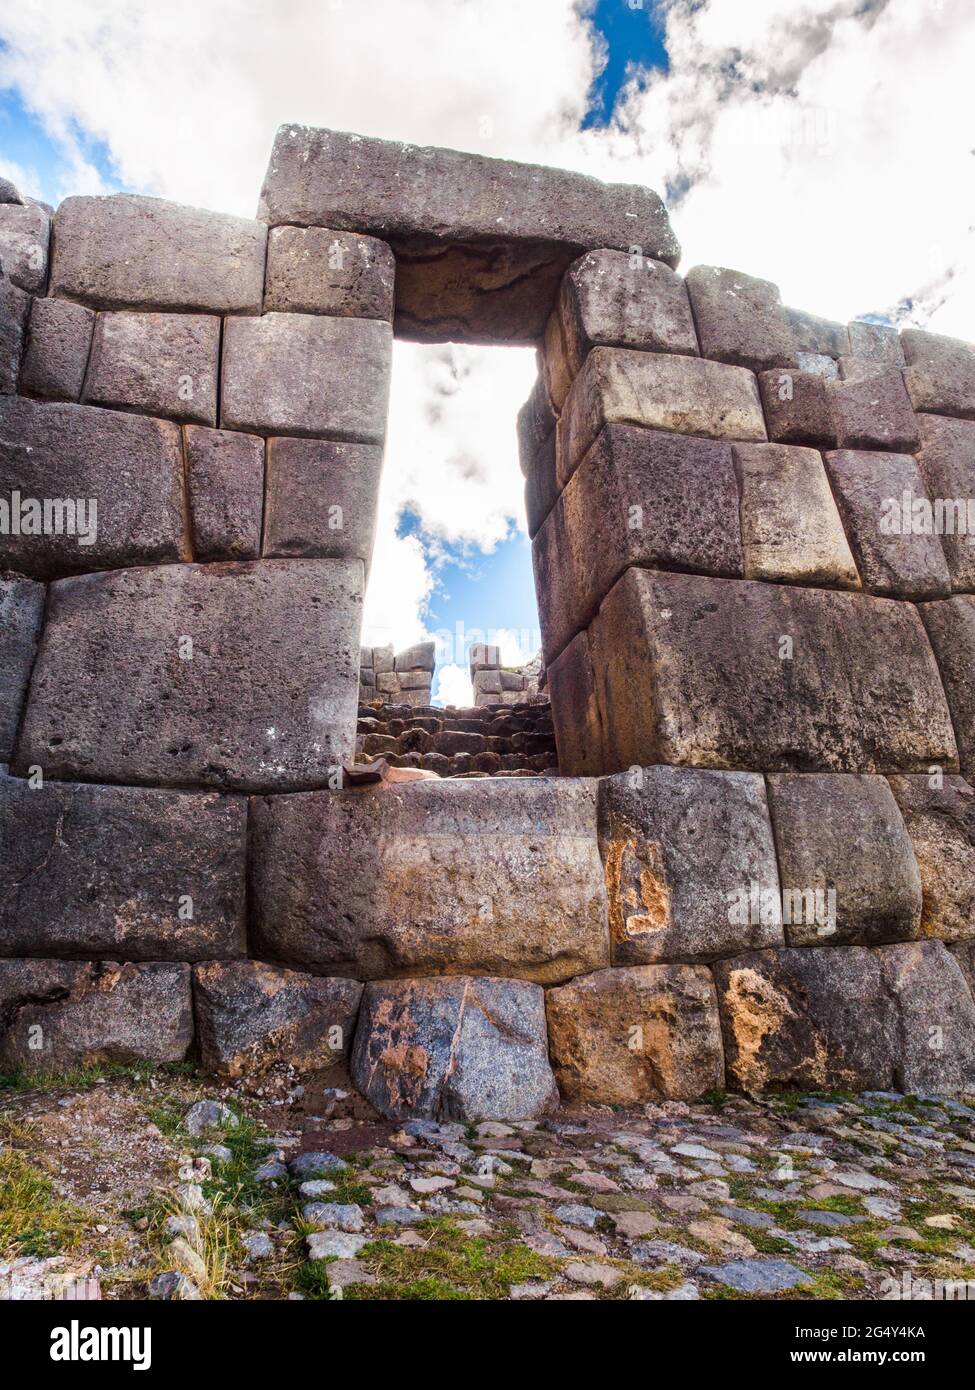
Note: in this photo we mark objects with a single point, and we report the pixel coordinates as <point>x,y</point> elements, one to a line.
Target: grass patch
<point>34,1220</point>
<point>82,1078</point>
<point>450,1265</point>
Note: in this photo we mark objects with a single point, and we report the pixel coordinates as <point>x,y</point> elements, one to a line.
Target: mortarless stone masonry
<point>757,867</point>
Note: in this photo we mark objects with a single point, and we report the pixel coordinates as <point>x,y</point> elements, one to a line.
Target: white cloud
<point>823,144</point>
<point>454,687</point>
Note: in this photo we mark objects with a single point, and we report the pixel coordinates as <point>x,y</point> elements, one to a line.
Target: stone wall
<point>403,679</point>
<point>495,684</point>
<point>760,871</point>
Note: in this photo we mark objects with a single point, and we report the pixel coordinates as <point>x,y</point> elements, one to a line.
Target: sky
<point>827,145</point>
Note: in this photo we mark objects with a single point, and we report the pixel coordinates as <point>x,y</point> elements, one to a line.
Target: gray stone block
<point>950,625</point>
<point>241,676</point>
<point>873,411</point>
<point>939,814</point>
<point>732,673</point>
<point>819,336</point>
<point>461,1049</point>
<point>307,374</point>
<point>420,657</point>
<point>686,395</point>
<point>321,498</point>
<point>25,231</point>
<point>252,1016</point>
<point>894,553</point>
<point>112,872</point>
<point>940,373</point>
<point>740,319</point>
<point>225,484</point>
<point>58,345</point>
<point>798,407</point>
<point>83,1014</point>
<point>312,270</point>
<point>690,865</point>
<point>163,364</point>
<point>848,870</point>
<point>132,252</point>
<point>14,308</point>
<point>946,459</point>
<point>541,486</point>
<point>21,616</point>
<point>876,342</point>
<point>124,470</point>
<point>433,877</point>
<point>576,714</point>
<point>936,1017</point>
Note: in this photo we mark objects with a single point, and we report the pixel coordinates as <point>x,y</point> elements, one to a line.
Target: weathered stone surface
<point>964,954</point>
<point>790,528</point>
<point>322,498</point>
<point>163,364</point>
<point>894,556</point>
<point>946,459</point>
<point>306,374</point>
<point>535,424</point>
<point>939,813</point>
<point>541,486</point>
<point>463,1049</point>
<point>614,299</point>
<point>132,252</point>
<point>798,407</point>
<point>251,1016</point>
<point>481,244</point>
<point>576,716</point>
<point>684,394</point>
<point>639,497</point>
<point>950,625</point>
<point>690,864</point>
<point>740,319</point>
<point>14,307</point>
<point>810,1017</point>
<point>732,673</point>
<point>940,373</point>
<point>873,411</point>
<point>57,1015</point>
<point>420,657</point>
<point>312,270</point>
<point>936,1018</point>
<point>265,698</point>
<point>812,334</point>
<point>58,344</point>
<point>623,1036</point>
<point>876,342</point>
<point>848,870</point>
<point>25,230</point>
<point>130,467</point>
<point>225,484</point>
<point>21,616</point>
<point>111,872</point>
<point>442,877</point>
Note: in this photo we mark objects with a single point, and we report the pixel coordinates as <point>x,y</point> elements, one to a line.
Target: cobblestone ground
<point>165,1186</point>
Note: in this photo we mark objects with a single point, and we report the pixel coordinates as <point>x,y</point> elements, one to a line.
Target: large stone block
<point>58,1015</point>
<point>238,676</point>
<point>95,489</point>
<point>163,364</point>
<point>686,395</point>
<point>690,865</point>
<point>21,616</point>
<point>798,408</point>
<point>541,486</point>
<point>819,336</point>
<point>936,1018</point>
<point>964,954</point>
<point>481,244</point>
<point>225,484</point>
<point>321,498</point>
<point>613,299</point>
<point>252,1016</point>
<point>459,1049</point>
<point>14,308</point>
<point>876,342</point>
<point>940,373</point>
<point>111,872</point>
<point>897,555</point>
<point>535,424</point>
<point>939,813</point>
<point>420,657</point>
<point>946,459</point>
<point>58,345</point>
<point>740,319</point>
<point>808,1018</point>
<point>445,877</point>
<point>639,497</point>
<point>307,374</point>
<point>25,231</point>
<point>950,625</point>
<point>872,410</point>
<point>577,718</point>
<point>790,528</point>
<point>132,252</point>
<point>620,1037</point>
<point>848,870</point>
<point>732,673</point>
<point>312,270</point>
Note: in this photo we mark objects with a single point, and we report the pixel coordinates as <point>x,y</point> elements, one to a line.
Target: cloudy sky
<point>828,145</point>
